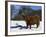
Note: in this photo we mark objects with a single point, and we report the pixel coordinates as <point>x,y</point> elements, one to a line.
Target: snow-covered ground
<point>40,29</point>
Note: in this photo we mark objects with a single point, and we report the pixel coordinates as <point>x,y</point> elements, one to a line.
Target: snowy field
<point>40,29</point>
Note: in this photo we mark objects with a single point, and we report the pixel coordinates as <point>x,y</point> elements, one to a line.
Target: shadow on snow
<point>19,26</point>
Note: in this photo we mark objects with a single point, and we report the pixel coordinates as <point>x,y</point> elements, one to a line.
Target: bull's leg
<point>37,24</point>
<point>30,26</point>
<point>27,26</point>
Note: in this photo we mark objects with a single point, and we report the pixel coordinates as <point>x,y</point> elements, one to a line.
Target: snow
<point>40,29</point>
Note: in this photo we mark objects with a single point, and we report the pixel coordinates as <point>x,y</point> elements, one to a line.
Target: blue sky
<point>36,7</point>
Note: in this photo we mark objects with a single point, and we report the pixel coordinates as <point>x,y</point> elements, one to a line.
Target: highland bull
<point>31,20</point>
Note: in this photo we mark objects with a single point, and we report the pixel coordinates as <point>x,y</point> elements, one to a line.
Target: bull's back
<point>36,19</point>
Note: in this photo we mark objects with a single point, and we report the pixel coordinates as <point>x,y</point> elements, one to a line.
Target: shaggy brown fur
<point>31,20</point>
